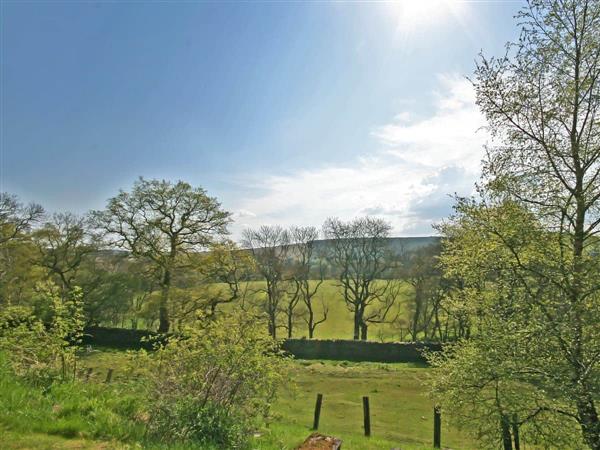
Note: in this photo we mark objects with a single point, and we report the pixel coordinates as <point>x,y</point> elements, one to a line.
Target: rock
<point>318,441</point>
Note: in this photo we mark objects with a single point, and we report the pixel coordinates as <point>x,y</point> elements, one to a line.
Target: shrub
<point>43,350</point>
<point>215,385</point>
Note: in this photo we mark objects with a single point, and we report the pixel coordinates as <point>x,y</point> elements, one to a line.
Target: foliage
<point>527,250</point>
<point>63,244</point>
<point>161,222</point>
<point>44,350</point>
<point>512,365</point>
<point>225,371</point>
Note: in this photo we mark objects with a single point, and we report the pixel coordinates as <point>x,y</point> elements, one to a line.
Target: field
<point>401,412</point>
<point>339,324</point>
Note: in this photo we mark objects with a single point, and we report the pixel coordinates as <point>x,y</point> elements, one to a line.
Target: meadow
<point>339,323</point>
<point>401,412</point>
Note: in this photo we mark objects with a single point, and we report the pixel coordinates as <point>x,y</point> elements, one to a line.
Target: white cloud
<point>407,181</point>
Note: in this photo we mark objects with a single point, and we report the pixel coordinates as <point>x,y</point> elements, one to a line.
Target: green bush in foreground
<point>42,347</point>
<point>214,386</point>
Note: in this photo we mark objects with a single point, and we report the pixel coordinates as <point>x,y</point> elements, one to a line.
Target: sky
<point>287,112</point>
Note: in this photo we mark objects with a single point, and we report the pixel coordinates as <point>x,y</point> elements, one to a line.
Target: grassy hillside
<point>401,412</point>
<point>339,323</point>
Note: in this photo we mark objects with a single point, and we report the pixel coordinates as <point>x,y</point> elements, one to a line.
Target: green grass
<point>72,411</point>
<point>401,412</point>
<point>339,324</point>
<point>85,415</point>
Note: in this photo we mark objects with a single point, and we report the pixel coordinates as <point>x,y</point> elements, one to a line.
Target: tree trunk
<point>506,436</point>
<point>357,321</point>
<point>363,331</point>
<point>272,325</point>
<point>590,426</point>
<point>163,311</point>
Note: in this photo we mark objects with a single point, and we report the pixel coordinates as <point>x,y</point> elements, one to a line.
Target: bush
<point>189,419</point>
<point>43,350</point>
<point>215,385</point>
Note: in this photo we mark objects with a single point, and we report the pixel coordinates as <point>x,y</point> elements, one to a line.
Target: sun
<point>413,16</point>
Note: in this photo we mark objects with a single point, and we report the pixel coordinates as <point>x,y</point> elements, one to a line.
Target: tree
<point>226,270</point>
<point>304,255</point>
<point>270,247</point>
<point>63,243</point>
<point>17,275</point>
<point>510,367</point>
<point>16,218</point>
<point>162,222</point>
<point>360,251</point>
<point>44,349</point>
<point>542,173</point>
<point>423,274</point>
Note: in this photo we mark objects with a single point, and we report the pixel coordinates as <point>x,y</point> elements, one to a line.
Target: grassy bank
<point>96,415</point>
<point>401,412</point>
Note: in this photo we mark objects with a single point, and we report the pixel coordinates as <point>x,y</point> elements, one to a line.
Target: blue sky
<point>288,112</point>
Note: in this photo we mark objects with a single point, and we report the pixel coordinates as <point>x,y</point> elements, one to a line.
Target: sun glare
<point>412,16</point>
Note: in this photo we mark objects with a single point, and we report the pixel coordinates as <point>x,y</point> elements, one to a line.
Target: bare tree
<point>423,274</point>
<point>225,271</point>
<point>163,222</point>
<point>270,247</point>
<point>305,260</point>
<point>16,218</point>
<point>62,243</point>
<point>359,250</point>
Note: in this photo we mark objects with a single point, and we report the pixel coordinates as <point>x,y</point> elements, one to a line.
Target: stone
<point>318,441</point>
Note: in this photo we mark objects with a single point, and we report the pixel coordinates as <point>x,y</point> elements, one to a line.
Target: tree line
<point>159,254</point>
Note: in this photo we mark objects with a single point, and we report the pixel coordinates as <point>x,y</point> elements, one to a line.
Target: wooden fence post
<point>367,416</point>
<point>437,427</point>
<point>109,375</point>
<point>317,411</point>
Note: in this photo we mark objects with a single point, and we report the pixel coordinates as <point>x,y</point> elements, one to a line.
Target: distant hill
<point>397,244</point>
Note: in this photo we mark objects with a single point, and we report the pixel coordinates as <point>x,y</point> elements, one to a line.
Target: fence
<point>359,350</point>
<point>300,348</point>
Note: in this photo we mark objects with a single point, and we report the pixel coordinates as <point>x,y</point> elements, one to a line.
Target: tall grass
<point>69,409</point>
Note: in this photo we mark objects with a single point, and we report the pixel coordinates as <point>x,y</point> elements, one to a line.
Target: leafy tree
<point>540,213</point>
<point>423,274</point>
<point>163,222</point>
<point>17,276</point>
<point>360,252</point>
<point>226,270</point>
